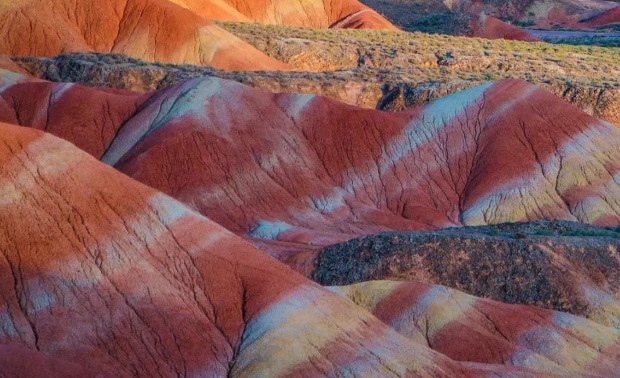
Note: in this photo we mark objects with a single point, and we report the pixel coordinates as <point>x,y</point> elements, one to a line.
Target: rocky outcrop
<point>153,30</point>
<point>600,102</point>
<point>556,265</point>
<point>353,87</point>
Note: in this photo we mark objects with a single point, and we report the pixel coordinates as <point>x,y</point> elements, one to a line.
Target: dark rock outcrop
<point>557,265</point>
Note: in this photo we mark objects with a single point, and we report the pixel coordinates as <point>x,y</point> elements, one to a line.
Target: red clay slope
<point>467,328</point>
<point>490,27</point>
<point>612,16</point>
<point>99,273</point>
<point>152,30</point>
<point>309,170</point>
<point>88,118</point>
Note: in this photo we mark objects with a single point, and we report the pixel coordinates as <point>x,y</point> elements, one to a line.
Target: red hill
<point>313,13</point>
<point>611,16</point>
<point>315,171</point>
<point>153,30</point>
<point>467,328</point>
<point>102,274</point>
<point>489,27</point>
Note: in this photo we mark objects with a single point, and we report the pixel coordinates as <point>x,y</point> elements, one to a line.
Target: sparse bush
<point>478,59</point>
<point>544,232</point>
<point>520,235</point>
<point>603,233</point>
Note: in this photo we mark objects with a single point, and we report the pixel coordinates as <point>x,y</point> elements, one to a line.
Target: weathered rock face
<point>101,274</point>
<point>603,103</point>
<point>317,172</point>
<point>467,328</point>
<point>351,87</point>
<point>154,30</point>
<point>555,265</point>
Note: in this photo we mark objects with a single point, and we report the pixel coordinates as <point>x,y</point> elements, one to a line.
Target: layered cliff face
<point>318,172</point>
<point>153,30</point>
<point>389,71</point>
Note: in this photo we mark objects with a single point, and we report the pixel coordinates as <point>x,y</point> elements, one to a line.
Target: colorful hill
<point>467,328</point>
<point>489,27</point>
<point>170,315</point>
<point>170,206</point>
<point>316,172</point>
<point>103,275</point>
<point>609,17</point>
<point>153,30</point>
<point>448,16</point>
